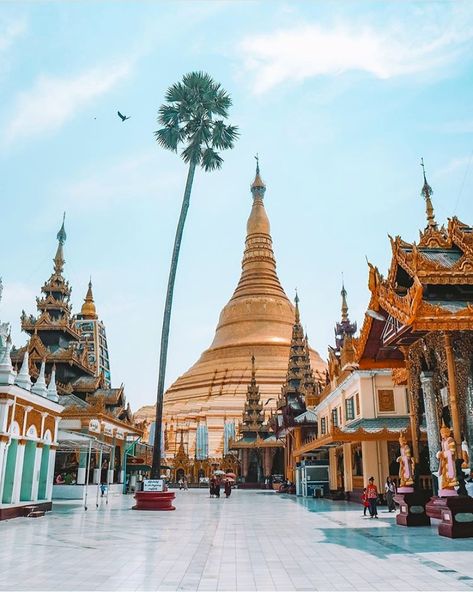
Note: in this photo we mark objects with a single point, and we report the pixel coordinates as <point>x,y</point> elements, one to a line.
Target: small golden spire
<point>253,371</point>
<point>426,193</point>
<point>88,309</point>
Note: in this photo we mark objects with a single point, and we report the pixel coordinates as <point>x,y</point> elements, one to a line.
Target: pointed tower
<point>253,418</point>
<point>93,337</point>
<point>258,321</point>
<point>54,338</point>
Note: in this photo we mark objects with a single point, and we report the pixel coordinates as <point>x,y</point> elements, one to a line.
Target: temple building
<point>71,353</point>
<point>257,321</point>
<point>93,337</point>
<point>422,313</point>
<point>29,418</point>
<point>294,420</point>
<point>260,452</point>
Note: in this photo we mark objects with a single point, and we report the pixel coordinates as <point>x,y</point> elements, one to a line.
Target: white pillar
<point>3,461</point>
<point>348,467</point>
<point>36,471</point>
<point>4,406</point>
<point>332,471</point>
<point>50,478</point>
<point>20,456</point>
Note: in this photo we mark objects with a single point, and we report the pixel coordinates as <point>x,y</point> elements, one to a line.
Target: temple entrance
<point>255,473</point>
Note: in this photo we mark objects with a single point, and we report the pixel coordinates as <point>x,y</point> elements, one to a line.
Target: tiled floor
<point>252,541</point>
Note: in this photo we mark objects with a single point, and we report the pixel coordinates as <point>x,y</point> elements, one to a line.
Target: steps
<point>33,512</point>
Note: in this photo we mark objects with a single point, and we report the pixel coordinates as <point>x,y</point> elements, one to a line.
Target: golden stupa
<point>257,321</point>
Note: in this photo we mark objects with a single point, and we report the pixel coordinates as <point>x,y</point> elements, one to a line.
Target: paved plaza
<point>252,541</point>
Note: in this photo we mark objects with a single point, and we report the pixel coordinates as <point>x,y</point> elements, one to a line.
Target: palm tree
<point>193,116</point>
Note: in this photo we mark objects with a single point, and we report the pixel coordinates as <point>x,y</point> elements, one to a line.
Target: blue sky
<point>340,99</point>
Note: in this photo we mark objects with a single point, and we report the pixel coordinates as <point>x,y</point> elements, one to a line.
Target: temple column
<point>267,458</point>
<point>111,464</point>
<point>469,418</point>
<point>297,442</point>
<point>413,416</point>
<point>20,456</point>
<point>82,468</point>
<point>3,462</point>
<point>347,467</point>
<point>50,478</point>
<point>372,463</point>
<point>244,463</point>
<point>453,393</point>
<point>36,468</point>
<point>332,470</point>
<point>431,418</point>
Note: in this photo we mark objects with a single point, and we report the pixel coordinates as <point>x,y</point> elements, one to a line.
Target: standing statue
<point>406,465</point>
<point>447,470</point>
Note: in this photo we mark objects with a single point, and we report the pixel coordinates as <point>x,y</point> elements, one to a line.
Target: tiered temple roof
<point>429,287</point>
<point>343,355</point>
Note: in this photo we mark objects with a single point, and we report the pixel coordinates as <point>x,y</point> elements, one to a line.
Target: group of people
<point>183,483</point>
<point>215,484</point>
<point>370,497</point>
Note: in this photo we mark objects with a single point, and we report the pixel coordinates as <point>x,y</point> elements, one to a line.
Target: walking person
<point>185,483</point>
<point>227,488</point>
<point>372,494</point>
<point>212,486</point>
<point>390,491</point>
<point>364,501</point>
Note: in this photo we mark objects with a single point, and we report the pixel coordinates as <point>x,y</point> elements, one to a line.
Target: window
<point>340,415</point>
<point>357,399</point>
<point>349,409</point>
<point>323,426</point>
<point>386,401</point>
<point>335,417</point>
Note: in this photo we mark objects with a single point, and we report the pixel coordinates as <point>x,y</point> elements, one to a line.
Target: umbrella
<point>219,472</point>
<point>229,479</point>
<point>231,476</point>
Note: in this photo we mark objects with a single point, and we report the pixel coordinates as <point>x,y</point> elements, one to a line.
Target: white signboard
<point>119,434</point>
<point>153,485</point>
<point>94,426</point>
<point>107,429</point>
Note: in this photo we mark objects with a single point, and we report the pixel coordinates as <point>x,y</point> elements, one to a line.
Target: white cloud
<point>453,165</point>
<point>309,50</point>
<point>130,179</point>
<point>9,32</point>
<point>54,100</point>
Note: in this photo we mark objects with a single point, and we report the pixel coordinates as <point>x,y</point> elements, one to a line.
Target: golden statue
<point>406,463</point>
<point>447,470</point>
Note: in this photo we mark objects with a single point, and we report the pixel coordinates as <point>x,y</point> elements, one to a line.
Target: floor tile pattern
<point>252,541</point>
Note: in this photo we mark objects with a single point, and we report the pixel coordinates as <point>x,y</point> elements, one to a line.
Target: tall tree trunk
<point>156,467</point>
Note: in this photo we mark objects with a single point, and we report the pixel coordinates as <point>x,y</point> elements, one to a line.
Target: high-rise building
<point>93,337</point>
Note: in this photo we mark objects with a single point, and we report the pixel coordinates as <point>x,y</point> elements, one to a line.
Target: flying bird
<point>122,117</point>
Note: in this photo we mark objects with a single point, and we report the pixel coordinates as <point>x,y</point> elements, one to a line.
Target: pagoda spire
<point>23,379</point>
<point>59,257</point>
<point>427,193</point>
<point>343,294</point>
<point>7,374</point>
<point>88,310</point>
<point>297,313</point>
<point>52,389</point>
<point>39,387</point>
<point>253,418</point>
<point>258,275</point>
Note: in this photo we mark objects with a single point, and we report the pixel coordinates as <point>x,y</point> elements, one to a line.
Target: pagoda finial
<point>258,188</point>
<point>88,309</point>
<point>253,371</point>
<point>427,193</point>
<point>344,302</point>
<point>23,379</point>
<point>39,387</point>
<point>52,389</point>
<point>59,257</point>
<point>296,300</point>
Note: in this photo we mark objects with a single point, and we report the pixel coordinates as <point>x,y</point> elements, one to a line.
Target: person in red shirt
<point>372,495</point>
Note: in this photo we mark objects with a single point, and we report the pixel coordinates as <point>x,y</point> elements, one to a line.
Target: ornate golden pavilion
<point>257,321</point>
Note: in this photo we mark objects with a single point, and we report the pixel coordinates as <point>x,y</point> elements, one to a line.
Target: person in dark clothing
<point>227,488</point>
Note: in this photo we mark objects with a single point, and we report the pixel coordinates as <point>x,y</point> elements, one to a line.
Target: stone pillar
<point>431,418</point>
<point>50,479</point>
<point>3,462</point>
<point>267,462</point>
<point>332,469</point>
<point>413,416</point>
<point>453,393</point>
<point>36,469</point>
<point>244,463</point>
<point>469,418</point>
<point>371,464</point>
<point>20,456</point>
<point>347,467</point>
<point>82,470</point>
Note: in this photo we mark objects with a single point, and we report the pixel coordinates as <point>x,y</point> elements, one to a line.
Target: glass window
<point>349,409</point>
<point>323,425</point>
<point>335,417</point>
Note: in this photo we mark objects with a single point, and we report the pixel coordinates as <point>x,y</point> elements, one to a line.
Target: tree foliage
<point>194,117</point>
